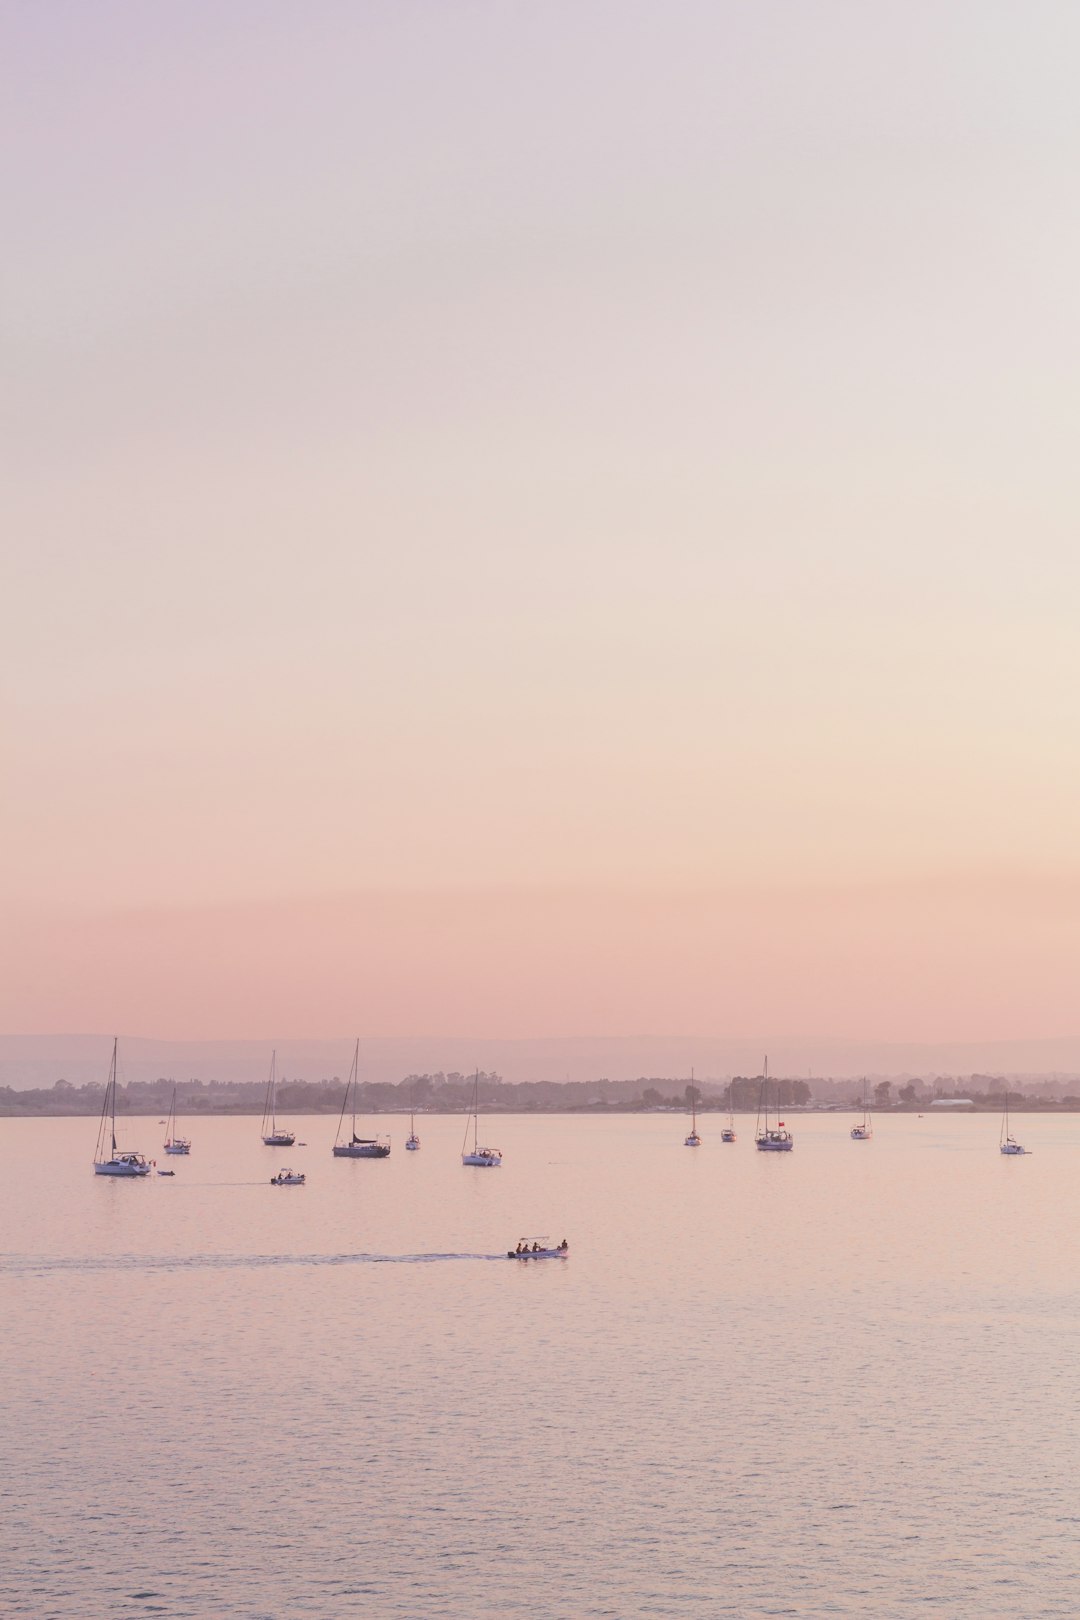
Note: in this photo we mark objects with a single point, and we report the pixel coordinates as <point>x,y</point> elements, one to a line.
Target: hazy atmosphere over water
<point>540,519</point>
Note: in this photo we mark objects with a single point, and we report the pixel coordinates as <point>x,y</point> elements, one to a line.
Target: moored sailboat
<point>728,1132</point>
<point>1008,1144</point>
<point>357,1147</point>
<point>173,1142</point>
<point>412,1141</point>
<point>108,1159</point>
<point>865,1131</point>
<point>770,1139</point>
<point>484,1158</point>
<point>693,1140</point>
<point>272,1135</point>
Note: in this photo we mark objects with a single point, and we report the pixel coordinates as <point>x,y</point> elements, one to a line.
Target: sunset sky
<point>540,519</point>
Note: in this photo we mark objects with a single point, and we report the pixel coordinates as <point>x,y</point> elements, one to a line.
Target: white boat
<point>484,1158</point>
<point>272,1135</point>
<point>288,1178</point>
<point>108,1159</point>
<point>1008,1144</point>
<point>770,1138</point>
<point>865,1131</point>
<point>412,1141</point>
<point>728,1132</point>
<point>538,1250</point>
<point>357,1147</point>
<point>173,1142</point>
<point>693,1140</point>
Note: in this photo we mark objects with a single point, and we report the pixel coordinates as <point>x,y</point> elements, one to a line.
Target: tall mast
<point>355,1083</point>
<point>112,1083</point>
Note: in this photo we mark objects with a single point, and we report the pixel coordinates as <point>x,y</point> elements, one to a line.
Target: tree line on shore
<point>451,1093</point>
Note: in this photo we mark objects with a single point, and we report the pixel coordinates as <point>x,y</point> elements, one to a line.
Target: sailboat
<point>108,1160</point>
<point>412,1141</point>
<point>357,1147</point>
<point>728,1132</point>
<point>770,1139</point>
<point>865,1131</point>
<point>693,1140</point>
<point>1008,1144</point>
<point>174,1143</point>
<point>485,1158</point>
<point>271,1135</point>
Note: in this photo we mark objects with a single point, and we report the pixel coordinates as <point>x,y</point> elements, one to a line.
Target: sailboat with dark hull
<point>108,1159</point>
<point>412,1141</point>
<point>273,1134</point>
<point>357,1147</point>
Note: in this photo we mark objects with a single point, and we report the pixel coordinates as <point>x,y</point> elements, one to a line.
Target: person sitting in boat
<point>564,1244</point>
<point>536,1248</point>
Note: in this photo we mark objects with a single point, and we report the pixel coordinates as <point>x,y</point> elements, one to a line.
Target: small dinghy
<point>538,1250</point>
<point>166,1172</point>
<point>288,1178</point>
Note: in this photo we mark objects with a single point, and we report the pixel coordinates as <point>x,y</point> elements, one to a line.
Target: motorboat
<point>770,1138</point>
<point>108,1159</point>
<point>357,1147</point>
<point>175,1143</point>
<point>1008,1144</point>
<point>273,1134</point>
<point>484,1158</point>
<point>288,1178</point>
<point>535,1251</point>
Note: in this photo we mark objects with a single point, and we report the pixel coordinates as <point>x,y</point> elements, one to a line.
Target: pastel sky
<point>540,519</point>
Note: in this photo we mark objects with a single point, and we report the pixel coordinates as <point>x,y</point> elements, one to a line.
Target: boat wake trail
<point>27,1265</point>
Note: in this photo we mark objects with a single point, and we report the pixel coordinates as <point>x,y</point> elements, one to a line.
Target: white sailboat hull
<point>693,1140</point>
<point>280,1139</point>
<point>121,1167</point>
<point>491,1160</point>
<point>1013,1149</point>
<point>178,1147</point>
<point>362,1150</point>
<point>861,1133</point>
<point>727,1135</point>
<point>774,1144</point>
<point>412,1145</point>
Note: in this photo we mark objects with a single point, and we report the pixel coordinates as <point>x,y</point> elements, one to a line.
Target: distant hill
<point>31,1061</point>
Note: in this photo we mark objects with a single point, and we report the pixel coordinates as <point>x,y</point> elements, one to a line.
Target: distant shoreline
<point>1035,1106</point>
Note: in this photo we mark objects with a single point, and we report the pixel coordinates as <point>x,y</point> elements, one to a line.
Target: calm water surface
<point>840,1382</point>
